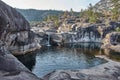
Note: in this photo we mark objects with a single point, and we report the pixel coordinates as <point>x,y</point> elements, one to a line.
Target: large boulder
<point>12,69</point>
<point>15,31</point>
<point>112,41</point>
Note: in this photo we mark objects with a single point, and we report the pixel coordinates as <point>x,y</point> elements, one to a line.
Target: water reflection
<point>113,55</point>
<point>83,45</point>
<point>28,60</point>
<point>71,56</point>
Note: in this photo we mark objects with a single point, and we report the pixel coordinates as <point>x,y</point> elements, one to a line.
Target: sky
<point>76,5</point>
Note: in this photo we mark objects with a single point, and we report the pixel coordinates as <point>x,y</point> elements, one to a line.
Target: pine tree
<point>81,13</point>
<point>65,14</point>
<point>115,10</point>
<point>91,14</point>
<point>71,12</point>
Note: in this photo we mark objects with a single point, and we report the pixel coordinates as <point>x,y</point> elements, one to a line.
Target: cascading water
<point>48,43</point>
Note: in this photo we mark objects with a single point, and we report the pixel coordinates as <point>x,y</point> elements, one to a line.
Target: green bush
<point>118,29</point>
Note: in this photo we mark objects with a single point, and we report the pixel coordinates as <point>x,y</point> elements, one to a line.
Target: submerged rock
<point>15,31</point>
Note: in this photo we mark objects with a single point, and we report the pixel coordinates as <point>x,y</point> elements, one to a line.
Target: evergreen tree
<point>65,14</point>
<point>118,29</point>
<point>71,12</point>
<point>91,14</point>
<point>115,10</point>
<point>53,18</point>
<point>81,13</point>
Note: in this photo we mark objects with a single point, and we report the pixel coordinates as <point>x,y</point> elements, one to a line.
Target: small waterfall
<point>48,44</point>
<point>73,38</point>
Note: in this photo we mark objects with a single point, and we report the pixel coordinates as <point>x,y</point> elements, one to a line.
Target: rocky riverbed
<point>81,32</point>
<point>12,69</point>
<point>17,38</point>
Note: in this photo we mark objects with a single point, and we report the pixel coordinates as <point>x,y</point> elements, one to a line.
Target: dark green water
<point>71,56</point>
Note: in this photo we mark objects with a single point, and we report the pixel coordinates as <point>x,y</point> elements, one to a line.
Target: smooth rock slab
<point>107,71</point>
<point>23,75</point>
<point>12,69</point>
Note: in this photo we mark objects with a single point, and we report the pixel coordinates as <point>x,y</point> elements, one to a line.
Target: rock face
<point>16,37</point>
<point>83,34</point>
<point>12,69</point>
<point>15,31</point>
<point>112,41</point>
<point>77,32</point>
<point>103,5</point>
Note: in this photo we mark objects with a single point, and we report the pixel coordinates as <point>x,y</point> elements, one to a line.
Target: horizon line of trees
<point>90,14</point>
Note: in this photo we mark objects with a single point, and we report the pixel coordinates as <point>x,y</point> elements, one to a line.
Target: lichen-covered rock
<point>15,31</point>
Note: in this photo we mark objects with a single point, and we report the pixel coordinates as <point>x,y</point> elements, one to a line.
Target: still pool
<point>69,57</point>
